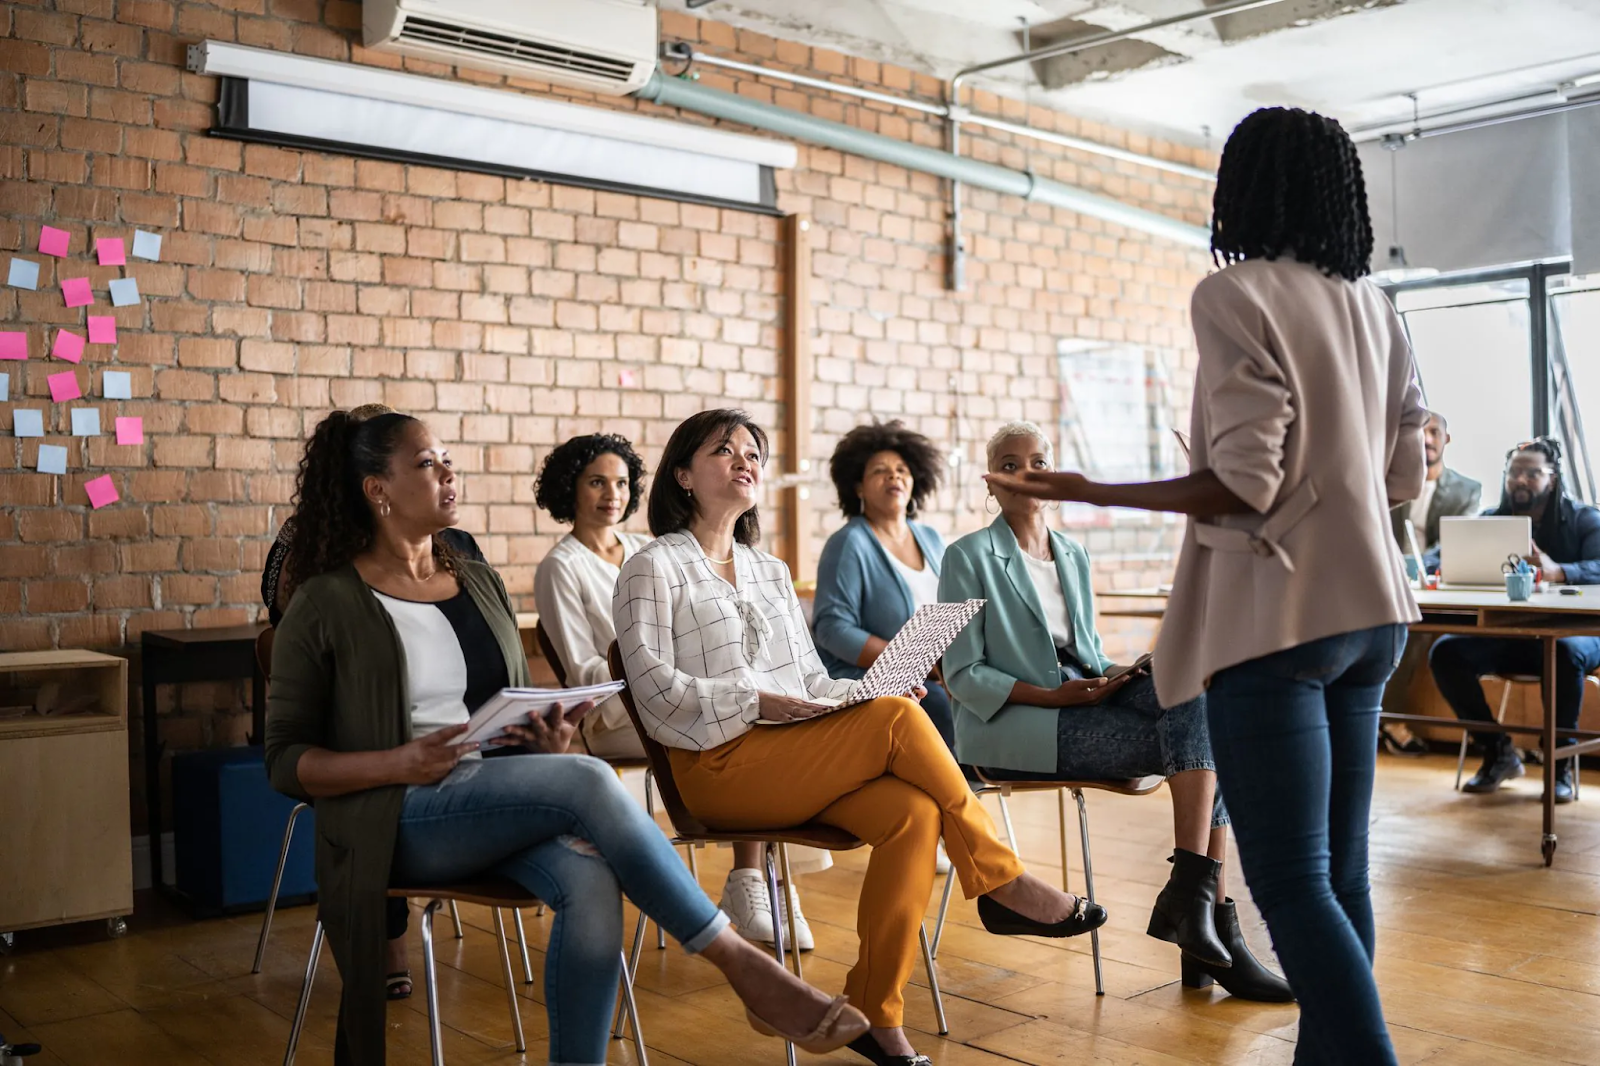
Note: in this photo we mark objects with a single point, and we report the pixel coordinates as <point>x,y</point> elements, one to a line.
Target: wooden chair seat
<point>490,891</point>
<point>1133,786</point>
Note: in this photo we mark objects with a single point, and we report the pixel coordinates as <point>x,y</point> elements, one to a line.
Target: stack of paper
<point>514,706</point>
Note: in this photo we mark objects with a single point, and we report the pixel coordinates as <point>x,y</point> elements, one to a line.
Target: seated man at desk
<point>1445,494</point>
<point>1566,548</point>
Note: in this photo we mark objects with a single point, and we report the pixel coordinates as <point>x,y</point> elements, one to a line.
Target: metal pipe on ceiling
<point>688,96</point>
<point>957,256</point>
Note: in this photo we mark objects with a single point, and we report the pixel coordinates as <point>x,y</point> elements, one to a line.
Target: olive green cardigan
<point>339,682</point>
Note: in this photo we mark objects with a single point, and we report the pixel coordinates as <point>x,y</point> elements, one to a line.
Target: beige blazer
<point>1306,405</point>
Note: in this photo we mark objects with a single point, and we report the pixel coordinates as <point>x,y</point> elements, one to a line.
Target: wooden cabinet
<point>64,825</point>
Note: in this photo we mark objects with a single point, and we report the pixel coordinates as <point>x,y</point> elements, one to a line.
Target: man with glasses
<point>1566,537</point>
<point>1445,494</point>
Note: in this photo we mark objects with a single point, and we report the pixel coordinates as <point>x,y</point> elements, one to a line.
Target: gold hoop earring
<point>986,500</point>
<point>384,510</point>
<point>1055,505</point>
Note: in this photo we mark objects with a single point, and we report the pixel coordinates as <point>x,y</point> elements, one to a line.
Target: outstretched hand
<point>1041,484</point>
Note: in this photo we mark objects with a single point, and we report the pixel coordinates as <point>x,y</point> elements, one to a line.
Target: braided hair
<point>333,521</point>
<point>1554,511</point>
<point>1290,184</point>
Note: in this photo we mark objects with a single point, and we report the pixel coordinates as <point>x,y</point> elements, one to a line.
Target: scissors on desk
<point>1515,564</point>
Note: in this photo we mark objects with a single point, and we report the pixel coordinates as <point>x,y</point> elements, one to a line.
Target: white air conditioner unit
<point>604,46</point>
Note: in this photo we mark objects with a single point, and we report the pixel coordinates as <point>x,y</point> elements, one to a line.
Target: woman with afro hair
<point>592,483</point>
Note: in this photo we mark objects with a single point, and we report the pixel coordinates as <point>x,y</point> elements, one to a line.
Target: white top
<point>436,670</point>
<point>924,583</point>
<point>572,590</point>
<point>1419,510</point>
<point>1047,583</point>
<point>699,653</point>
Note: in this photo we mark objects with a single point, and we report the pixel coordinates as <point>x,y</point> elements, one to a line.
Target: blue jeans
<point>1127,735</point>
<point>1295,735</point>
<point>564,828</point>
<point>1457,661</point>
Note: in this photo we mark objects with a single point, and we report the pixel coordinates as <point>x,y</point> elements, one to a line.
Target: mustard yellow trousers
<point>880,771</point>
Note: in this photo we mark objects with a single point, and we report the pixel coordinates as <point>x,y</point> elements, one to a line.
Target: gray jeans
<point>1130,735</point>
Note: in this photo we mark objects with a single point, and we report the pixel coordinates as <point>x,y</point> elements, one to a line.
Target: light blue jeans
<point>564,828</point>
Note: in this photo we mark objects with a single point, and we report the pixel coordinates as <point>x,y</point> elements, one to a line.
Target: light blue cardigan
<point>860,594</point>
<point>1008,641</point>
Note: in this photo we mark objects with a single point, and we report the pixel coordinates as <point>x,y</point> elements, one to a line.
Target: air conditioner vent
<point>544,54</point>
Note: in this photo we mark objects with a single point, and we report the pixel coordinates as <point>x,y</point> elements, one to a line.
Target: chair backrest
<point>686,824</point>
<point>264,652</point>
<point>548,649</point>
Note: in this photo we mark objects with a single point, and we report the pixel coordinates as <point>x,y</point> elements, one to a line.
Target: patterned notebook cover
<point>910,656</point>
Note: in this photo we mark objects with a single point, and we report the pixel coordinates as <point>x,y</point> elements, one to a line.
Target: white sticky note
<point>124,291</point>
<point>27,422</point>
<point>5,387</point>
<point>24,274</point>
<point>85,421</point>
<point>146,245</point>
<point>52,459</point>
<point>116,385</point>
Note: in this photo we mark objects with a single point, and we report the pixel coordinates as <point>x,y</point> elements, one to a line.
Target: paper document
<point>514,706</point>
<point>910,656</point>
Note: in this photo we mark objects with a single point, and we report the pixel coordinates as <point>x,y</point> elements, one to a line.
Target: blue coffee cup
<point>1519,586</point>
<point>1411,567</point>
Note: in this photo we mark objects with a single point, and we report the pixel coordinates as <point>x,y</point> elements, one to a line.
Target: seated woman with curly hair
<point>880,566</point>
<point>592,483</point>
<point>389,641</point>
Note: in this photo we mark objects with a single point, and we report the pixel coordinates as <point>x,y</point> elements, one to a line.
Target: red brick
<point>111,593</point>
<point>55,97</point>
<point>86,67</point>
<point>25,57</point>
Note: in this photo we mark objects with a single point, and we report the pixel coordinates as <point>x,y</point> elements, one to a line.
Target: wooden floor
<point>1485,957</point>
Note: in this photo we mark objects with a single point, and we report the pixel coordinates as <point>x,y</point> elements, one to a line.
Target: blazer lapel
<point>1006,547</point>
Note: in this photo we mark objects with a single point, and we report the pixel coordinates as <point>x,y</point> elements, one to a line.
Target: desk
<point>176,656</point>
<point>526,622</point>
<point>1546,616</point>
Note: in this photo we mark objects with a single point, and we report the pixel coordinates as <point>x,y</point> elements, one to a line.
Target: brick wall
<point>510,314</point>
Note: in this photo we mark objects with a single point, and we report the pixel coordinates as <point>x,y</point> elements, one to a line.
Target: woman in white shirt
<point>1034,701</point>
<point>592,483</point>
<point>713,643</point>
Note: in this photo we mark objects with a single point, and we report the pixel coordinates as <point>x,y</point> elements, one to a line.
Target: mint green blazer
<point>1008,641</point>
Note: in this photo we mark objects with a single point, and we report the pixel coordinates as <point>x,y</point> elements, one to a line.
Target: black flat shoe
<point>1003,921</point>
<point>865,1046</point>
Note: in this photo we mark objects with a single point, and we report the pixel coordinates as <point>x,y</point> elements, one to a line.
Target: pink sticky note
<point>53,241</point>
<point>68,346</point>
<point>64,386</point>
<point>13,346</point>
<point>102,329</point>
<point>102,490</point>
<point>111,251</point>
<point>130,431</point>
<point>76,290</point>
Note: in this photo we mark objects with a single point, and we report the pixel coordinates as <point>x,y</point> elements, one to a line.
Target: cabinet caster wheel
<point>116,928</point>
<point>8,941</point>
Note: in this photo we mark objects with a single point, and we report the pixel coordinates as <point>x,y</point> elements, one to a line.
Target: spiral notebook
<point>910,656</point>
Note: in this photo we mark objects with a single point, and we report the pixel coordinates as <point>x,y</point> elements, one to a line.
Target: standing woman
<point>880,566</point>
<point>1290,601</point>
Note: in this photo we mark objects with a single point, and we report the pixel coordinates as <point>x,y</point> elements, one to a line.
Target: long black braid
<point>1554,509</point>
<point>1290,184</point>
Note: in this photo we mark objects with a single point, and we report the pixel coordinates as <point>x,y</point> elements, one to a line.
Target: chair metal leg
<point>1061,824</point>
<point>944,910</point>
<point>631,971</point>
<point>1011,830</point>
<point>430,982</point>
<point>1088,880</point>
<point>538,912</point>
<point>277,882</point>
<point>511,981</point>
<point>788,891</point>
<point>694,863</point>
<point>305,997</point>
<point>455,916</point>
<point>632,1008</point>
<point>522,945</point>
<point>933,978</point>
<point>650,809</point>
<point>777,927</point>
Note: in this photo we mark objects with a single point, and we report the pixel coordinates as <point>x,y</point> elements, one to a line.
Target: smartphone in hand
<point>1138,667</point>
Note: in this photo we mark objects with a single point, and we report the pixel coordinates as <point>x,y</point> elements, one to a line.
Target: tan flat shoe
<point>841,1024</point>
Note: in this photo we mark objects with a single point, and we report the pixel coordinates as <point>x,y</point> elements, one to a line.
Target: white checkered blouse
<point>699,653</point>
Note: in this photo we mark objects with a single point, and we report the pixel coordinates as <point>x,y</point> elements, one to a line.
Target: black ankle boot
<point>1246,978</point>
<point>1184,913</point>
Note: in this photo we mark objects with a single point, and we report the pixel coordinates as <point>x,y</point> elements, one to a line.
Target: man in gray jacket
<point>1445,494</point>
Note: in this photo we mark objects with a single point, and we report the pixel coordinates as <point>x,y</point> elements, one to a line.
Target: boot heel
<point>1195,976</point>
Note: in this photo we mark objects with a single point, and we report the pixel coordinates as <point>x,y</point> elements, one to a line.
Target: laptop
<point>1473,550</point>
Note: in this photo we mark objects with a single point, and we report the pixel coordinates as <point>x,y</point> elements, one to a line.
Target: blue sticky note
<point>24,274</point>
<point>27,422</point>
<point>124,291</point>
<point>5,387</point>
<point>52,459</point>
<point>85,421</point>
<point>116,385</point>
<point>146,245</point>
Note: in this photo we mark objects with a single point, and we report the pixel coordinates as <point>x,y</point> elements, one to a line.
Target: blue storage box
<point>227,828</point>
